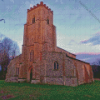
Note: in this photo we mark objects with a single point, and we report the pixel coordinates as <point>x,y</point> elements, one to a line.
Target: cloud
<point>95,40</point>
<point>56,1</point>
<point>72,42</point>
<point>73,45</point>
<point>90,58</point>
<point>31,5</point>
<point>12,1</point>
<point>60,1</point>
<point>20,45</point>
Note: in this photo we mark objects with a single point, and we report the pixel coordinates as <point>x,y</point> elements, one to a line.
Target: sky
<point>77,22</point>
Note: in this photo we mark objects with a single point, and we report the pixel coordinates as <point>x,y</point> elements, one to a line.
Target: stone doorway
<point>30,75</point>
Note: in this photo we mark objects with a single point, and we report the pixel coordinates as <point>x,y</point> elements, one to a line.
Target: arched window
<point>32,56</point>
<point>47,21</point>
<point>33,20</point>
<point>56,65</point>
<point>66,55</point>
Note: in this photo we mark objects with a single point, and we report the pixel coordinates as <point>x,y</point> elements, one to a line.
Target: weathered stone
<point>39,53</point>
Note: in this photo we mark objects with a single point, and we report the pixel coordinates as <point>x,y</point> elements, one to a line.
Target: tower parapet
<point>41,4</point>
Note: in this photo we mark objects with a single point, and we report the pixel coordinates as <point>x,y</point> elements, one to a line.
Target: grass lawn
<point>27,91</point>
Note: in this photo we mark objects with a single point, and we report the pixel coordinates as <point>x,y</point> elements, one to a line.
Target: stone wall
<point>84,71</point>
<point>11,69</point>
<point>71,82</point>
<point>64,75</point>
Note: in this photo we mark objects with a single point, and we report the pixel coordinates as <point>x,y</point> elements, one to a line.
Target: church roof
<point>78,60</point>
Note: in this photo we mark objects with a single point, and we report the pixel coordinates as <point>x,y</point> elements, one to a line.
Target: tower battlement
<point>38,5</point>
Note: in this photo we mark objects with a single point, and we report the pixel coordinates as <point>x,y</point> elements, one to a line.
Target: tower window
<point>56,65</point>
<point>47,21</point>
<point>33,20</point>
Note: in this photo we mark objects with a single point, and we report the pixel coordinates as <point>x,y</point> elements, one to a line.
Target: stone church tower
<point>41,60</point>
<point>39,34</point>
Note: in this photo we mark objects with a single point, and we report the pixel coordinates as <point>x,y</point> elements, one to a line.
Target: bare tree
<point>8,50</point>
<point>11,47</point>
<point>15,50</point>
<point>4,61</point>
<point>7,43</point>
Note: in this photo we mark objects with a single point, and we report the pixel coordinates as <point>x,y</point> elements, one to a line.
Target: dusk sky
<point>77,22</point>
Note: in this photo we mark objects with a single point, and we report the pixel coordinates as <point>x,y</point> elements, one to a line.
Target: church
<point>41,60</point>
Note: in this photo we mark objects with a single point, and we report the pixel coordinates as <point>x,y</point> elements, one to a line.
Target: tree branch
<point>2,20</point>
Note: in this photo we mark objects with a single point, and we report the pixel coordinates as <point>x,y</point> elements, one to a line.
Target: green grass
<point>27,91</point>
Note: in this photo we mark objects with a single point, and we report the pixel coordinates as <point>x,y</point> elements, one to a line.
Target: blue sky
<point>77,22</point>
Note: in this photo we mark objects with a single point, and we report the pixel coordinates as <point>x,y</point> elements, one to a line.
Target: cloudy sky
<point>77,22</point>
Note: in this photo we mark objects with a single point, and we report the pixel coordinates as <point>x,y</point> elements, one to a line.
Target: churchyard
<point>27,91</point>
